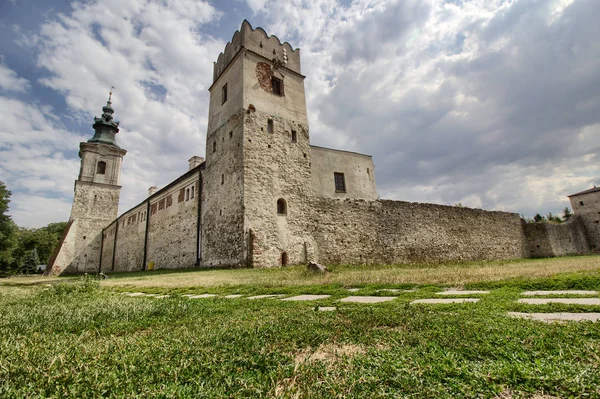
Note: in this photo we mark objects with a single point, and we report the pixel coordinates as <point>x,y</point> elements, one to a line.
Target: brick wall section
<point>389,232</point>
<point>547,240</point>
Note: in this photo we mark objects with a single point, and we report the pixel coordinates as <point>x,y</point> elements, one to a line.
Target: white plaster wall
<point>358,170</point>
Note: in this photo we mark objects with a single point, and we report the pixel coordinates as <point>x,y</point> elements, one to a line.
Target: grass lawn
<point>81,339</point>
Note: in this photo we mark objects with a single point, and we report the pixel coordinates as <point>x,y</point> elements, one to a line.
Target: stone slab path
<point>367,299</point>
<point>397,290</point>
<point>233,296</point>
<point>327,308</point>
<point>563,292</point>
<point>306,297</point>
<point>202,296</point>
<point>445,300</point>
<point>462,292</point>
<point>570,301</point>
<point>554,317</point>
<point>265,296</point>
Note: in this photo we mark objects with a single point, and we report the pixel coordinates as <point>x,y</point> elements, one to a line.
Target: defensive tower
<point>257,155</point>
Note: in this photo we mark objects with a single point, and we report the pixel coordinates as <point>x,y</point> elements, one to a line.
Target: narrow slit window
<point>281,207</point>
<point>224,94</point>
<point>222,179</point>
<point>101,169</point>
<point>214,146</point>
<point>192,196</point>
<point>187,194</point>
<point>230,135</point>
<point>340,183</point>
<point>284,259</point>
<point>270,126</point>
<point>294,136</point>
<point>277,86</point>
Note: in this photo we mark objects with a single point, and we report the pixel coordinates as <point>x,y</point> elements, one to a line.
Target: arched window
<point>284,259</point>
<point>101,169</point>
<point>281,207</point>
<point>187,194</point>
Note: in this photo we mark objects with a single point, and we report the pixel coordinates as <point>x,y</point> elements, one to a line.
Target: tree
<point>30,262</point>
<point>567,214</point>
<point>7,232</point>
<point>553,218</point>
<point>539,218</point>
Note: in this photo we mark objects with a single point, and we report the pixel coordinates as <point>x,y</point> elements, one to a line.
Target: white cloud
<point>159,60</point>
<point>9,80</point>
<point>491,103</point>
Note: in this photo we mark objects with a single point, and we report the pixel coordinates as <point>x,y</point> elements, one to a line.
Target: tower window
<point>214,146</point>
<point>281,207</point>
<point>294,136</point>
<point>340,183</point>
<point>192,196</point>
<point>581,203</point>
<point>284,259</point>
<point>230,135</point>
<point>277,86</point>
<point>222,178</point>
<point>187,194</point>
<point>270,126</point>
<point>101,169</point>
<point>224,94</point>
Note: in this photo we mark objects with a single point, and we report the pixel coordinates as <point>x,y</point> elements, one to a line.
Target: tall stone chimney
<point>152,190</point>
<point>195,161</point>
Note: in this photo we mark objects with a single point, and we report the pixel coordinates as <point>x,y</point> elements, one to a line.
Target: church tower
<point>96,198</point>
<point>258,174</point>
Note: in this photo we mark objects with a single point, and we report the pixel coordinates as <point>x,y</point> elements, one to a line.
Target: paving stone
<point>133,294</point>
<point>446,300</point>
<point>367,299</point>
<point>353,289</point>
<point>160,296</point>
<point>306,297</point>
<point>397,290</point>
<point>554,317</point>
<point>462,292</point>
<point>571,301</point>
<point>233,296</point>
<point>326,308</point>
<point>265,296</point>
<point>564,292</point>
<point>202,296</point>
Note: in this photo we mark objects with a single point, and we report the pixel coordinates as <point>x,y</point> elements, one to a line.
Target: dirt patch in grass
<point>328,353</point>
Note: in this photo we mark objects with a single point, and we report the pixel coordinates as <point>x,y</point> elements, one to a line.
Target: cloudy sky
<point>491,103</point>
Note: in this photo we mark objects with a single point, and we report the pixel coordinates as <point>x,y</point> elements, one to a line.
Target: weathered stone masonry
<point>265,197</point>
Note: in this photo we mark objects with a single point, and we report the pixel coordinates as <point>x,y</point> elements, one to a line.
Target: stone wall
<point>545,240</point>
<point>390,232</point>
<point>171,217</point>
<point>587,206</point>
<point>172,230</point>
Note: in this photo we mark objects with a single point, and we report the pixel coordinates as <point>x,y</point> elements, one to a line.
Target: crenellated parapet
<point>259,42</point>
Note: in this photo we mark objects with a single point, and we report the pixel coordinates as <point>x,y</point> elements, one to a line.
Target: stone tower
<point>96,198</point>
<point>257,155</point>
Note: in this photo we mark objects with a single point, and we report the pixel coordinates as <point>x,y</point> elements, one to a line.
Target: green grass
<point>82,340</point>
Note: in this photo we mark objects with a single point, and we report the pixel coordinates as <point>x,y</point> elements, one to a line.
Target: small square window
<point>101,169</point>
<point>340,184</point>
<point>277,86</point>
<point>581,203</point>
<point>294,136</point>
<point>224,94</point>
